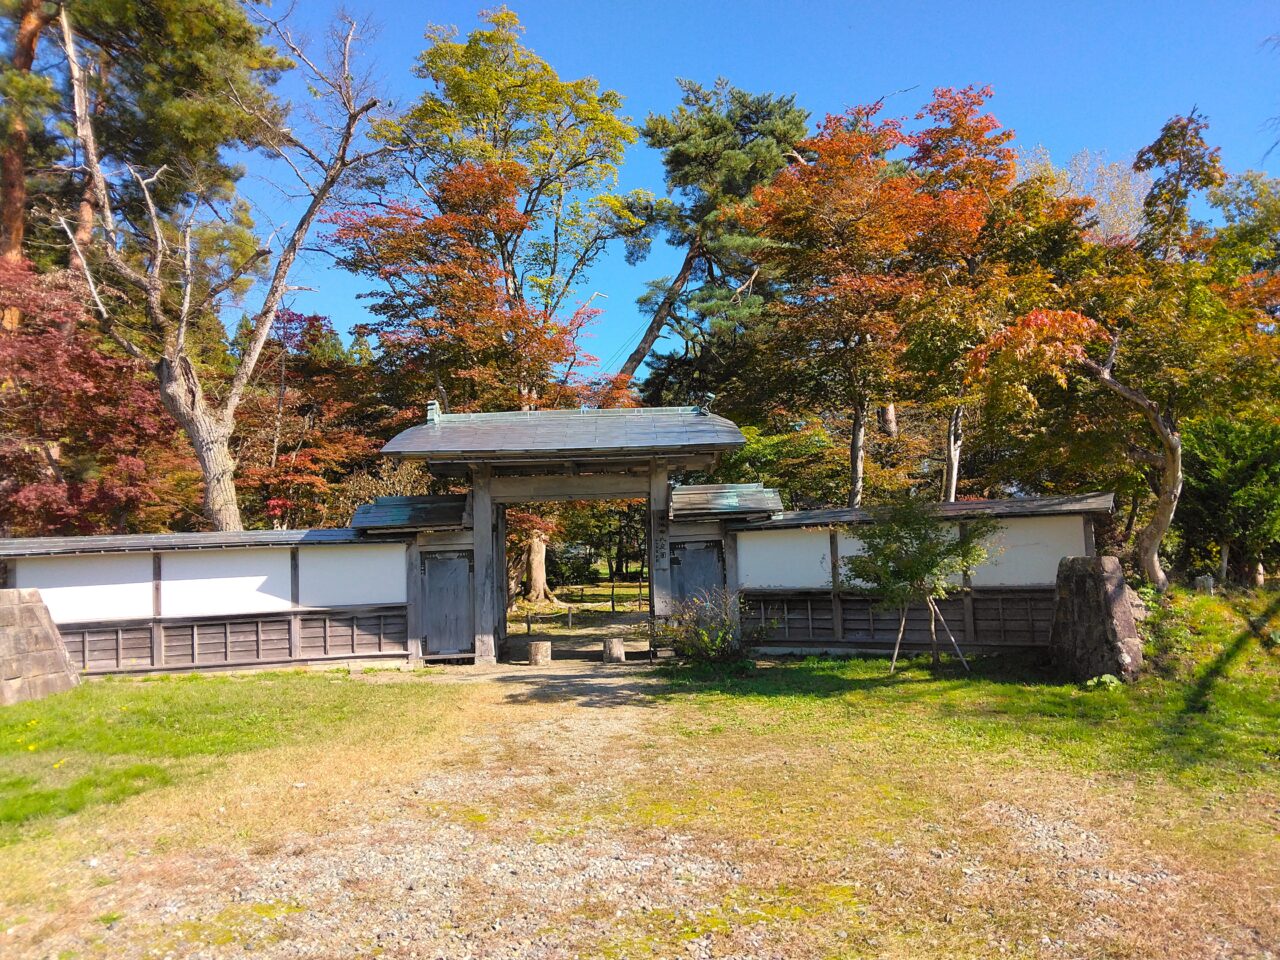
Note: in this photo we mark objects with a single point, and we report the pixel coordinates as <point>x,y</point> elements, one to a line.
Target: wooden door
<point>446,584</point>
<point>697,569</point>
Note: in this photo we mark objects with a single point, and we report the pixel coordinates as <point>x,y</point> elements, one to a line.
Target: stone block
<point>33,659</point>
<point>1094,632</point>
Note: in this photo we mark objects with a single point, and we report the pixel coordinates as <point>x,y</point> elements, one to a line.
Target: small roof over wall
<point>1017,507</point>
<point>448,512</point>
<point>160,542</point>
<point>591,439</point>
<point>722,501</point>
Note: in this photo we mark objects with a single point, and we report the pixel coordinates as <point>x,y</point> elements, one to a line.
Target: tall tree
<point>1170,328</point>
<point>153,257</point>
<point>837,230</point>
<point>492,103</point>
<point>156,78</point>
<point>717,147</point>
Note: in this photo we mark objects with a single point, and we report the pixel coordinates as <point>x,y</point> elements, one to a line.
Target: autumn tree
<point>305,427</point>
<point>838,228</point>
<point>152,258</point>
<point>85,445</point>
<point>1170,327</point>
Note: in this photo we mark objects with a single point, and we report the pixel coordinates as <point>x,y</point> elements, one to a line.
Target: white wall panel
<point>206,583</point>
<point>351,575</point>
<point>91,587</point>
<point>794,559</point>
<point>1026,551</point>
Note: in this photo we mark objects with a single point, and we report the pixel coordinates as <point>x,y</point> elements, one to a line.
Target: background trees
<point>888,305</point>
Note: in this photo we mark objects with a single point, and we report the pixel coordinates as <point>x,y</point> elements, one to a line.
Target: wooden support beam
<point>590,486</point>
<point>157,628</point>
<point>970,625</point>
<point>837,605</point>
<point>485,583</point>
<point>295,619</point>
<point>732,585</point>
<point>660,598</point>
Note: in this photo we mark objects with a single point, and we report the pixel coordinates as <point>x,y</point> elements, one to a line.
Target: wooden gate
<point>445,585</point>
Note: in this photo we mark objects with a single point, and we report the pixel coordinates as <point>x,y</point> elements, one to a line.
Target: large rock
<point>33,659</point>
<point>1093,624</point>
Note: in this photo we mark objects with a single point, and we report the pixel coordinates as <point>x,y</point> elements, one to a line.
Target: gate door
<point>446,603</point>
<point>697,569</point>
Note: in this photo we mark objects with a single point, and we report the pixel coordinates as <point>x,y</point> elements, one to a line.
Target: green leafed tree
<point>717,147</point>
<point>1231,498</point>
<point>911,555</point>
<point>492,101</point>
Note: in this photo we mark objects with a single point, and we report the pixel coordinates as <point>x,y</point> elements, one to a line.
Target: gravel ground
<point>510,838</point>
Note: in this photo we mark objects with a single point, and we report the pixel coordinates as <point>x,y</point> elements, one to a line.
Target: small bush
<point>706,630</point>
<point>570,564</point>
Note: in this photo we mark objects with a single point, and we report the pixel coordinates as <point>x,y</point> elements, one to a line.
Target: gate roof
<point>685,436</point>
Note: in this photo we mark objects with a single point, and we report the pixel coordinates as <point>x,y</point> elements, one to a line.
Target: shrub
<point>570,564</point>
<point>706,630</point>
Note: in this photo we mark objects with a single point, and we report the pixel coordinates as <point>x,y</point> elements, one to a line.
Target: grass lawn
<point>802,809</point>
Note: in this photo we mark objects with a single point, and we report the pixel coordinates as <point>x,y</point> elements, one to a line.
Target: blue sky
<point>1068,76</point>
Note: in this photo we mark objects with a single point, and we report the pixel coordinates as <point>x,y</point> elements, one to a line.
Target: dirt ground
<point>573,811</point>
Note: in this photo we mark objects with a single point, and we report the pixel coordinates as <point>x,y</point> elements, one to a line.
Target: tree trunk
<point>1150,536</point>
<point>536,570</point>
<point>1259,575</point>
<point>663,313</point>
<point>32,19</point>
<point>1168,462</point>
<point>955,441</point>
<point>888,417</point>
<point>1224,560</point>
<point>210,436</point>
<point>857,453</point>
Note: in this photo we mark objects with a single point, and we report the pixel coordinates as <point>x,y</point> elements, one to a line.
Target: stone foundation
<point>1094,632</point>
<point>33,659</point>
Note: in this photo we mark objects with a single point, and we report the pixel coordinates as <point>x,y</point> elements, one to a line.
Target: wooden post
<point>157,628</point>
<point>837,606</point>
<point>485,588</point>
<point>539,653</point>
<point>660,601</point>
<point>295,620</point>
<point>413,594</point>
<point>615,650</point>
<point>970,627</point>
<point>732,587</point>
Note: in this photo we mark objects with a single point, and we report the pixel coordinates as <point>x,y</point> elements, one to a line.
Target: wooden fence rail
<point>262,639</point>
<point>983,620</point>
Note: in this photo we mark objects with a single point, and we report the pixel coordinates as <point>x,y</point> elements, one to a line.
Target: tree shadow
<point>1195,733</point>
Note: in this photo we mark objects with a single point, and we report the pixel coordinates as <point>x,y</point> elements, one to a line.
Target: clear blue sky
<point>1068,76</point>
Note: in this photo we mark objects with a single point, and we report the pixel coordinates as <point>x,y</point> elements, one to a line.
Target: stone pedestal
<point>1093,625</point>
<point>539,653</point>
<point>615,650</point>
<point>33,659</point>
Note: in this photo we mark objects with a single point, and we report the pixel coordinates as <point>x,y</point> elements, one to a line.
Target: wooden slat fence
<point>209,642</point>
<point>1012,618</point>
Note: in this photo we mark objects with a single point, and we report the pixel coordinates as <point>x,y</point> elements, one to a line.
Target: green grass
<point>110,739</point>
<point>1207,711</point>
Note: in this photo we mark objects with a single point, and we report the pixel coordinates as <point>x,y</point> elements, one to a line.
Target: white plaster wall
<point>206,583</point>
<point>794,559</point>
<point>343,576</point>
<point>1026,550</point>
<point>92,587</point>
